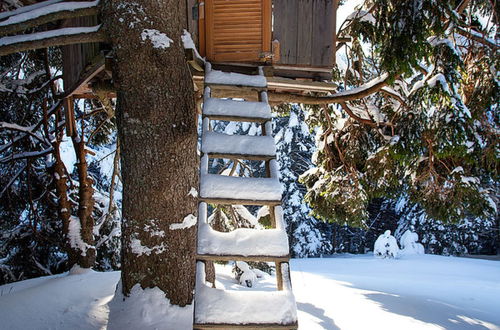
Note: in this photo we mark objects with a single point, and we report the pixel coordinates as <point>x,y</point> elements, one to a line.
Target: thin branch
<point>23,129</point>
<point>12,180</point>
<point>46,14</point>
<point>26,155</point>
<point>59,37</point>
<point>52,111</point>
<point>478,38</point>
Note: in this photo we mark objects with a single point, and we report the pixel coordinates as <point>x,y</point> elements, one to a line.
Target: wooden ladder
<point>226,309</point>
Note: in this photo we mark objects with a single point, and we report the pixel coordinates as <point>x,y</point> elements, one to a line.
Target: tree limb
<point>59,37</point>
<point>364,90</point>
<point>477,38</point>
<point>46,14</point>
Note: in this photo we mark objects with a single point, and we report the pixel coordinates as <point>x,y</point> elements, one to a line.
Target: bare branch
<point>52,111</point>
<point>18,173</point>
<point>23,129</point>
<point>26,155</point>
<point>471,34</point>
<point>47,14</point>
<point>59,37</point>
<point>364,90</point>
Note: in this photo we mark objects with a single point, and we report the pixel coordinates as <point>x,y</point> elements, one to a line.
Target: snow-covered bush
<point>409,243</point>
<point>244,274</point>
<point>386,246</point>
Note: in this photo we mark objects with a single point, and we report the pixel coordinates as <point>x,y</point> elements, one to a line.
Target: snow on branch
<point>25,155</point>
<point>478,37</point>
<point>59,37</point>
<point>52,111</point>
<point>28,130</point>
<point>46,14</point>
<point>24,9</point>
<point>365,90</point>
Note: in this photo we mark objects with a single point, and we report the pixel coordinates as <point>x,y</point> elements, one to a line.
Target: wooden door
<point>237,30</point>
<point>305,30</point>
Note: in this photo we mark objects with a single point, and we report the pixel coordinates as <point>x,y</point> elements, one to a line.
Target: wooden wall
<point>306,31</point>
<point>77,57</point>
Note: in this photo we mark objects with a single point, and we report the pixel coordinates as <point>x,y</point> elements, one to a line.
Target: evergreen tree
<point>432,135</point>
<point>295,145</point>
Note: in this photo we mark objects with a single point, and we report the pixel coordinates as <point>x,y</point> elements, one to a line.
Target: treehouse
<point>296,38</point>
<point>293,40</point>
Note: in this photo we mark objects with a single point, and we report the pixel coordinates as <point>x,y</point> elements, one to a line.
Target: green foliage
<point>437,142</point>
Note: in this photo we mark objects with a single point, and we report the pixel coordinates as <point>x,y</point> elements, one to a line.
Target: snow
<point>193,192</point>
<point>415,292</point>
<point>242,241</point>
<point>216,77</point>
<point>75,237</point>
<point>431,82</point>
<point>409,243</point>
<point>188,222</point>
<point>188,43</point>
<point>157,38</point>
<point>24,9</point>
<point>232,108</point>
<point>343,292</point>
<point>386,246</point>
<point>219,186</point>
<point>148,309</point>
<point>238,307</point>
<point>45,10</point>
<point>219,143</point>
<point>5,41</point>
<point>139,249</point>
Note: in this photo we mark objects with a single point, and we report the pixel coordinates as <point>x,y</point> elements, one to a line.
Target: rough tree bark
<point>86,257</point>
<point>157,129</point>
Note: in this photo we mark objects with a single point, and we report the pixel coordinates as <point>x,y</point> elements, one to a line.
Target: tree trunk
<point>156,119</point>
<point>86,257</point>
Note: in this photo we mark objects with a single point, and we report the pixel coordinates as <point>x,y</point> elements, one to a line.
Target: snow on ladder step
<point>216,77</point>
<point>231,110</point>
<point>242,243</point>
<point>238,190</point>
<point>222,145</point>
<point>215,308</point>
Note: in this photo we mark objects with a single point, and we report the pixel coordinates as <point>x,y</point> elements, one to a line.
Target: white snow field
<point>342,292</point>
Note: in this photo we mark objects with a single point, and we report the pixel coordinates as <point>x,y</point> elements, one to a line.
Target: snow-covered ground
<point>343,292</point>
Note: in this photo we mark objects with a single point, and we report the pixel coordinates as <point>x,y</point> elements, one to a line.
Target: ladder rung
<point>240,191</point>
<point>232,110</point>
<point>219,145</point>
<point>257,244</point>
<point>220,78</point>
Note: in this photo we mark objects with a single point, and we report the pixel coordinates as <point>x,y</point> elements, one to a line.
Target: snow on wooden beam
<point>59,37</point>
<point>46,14</point>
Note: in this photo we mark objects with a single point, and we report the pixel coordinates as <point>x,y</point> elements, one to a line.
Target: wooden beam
<point>69,114</point>
<point>86,77</point>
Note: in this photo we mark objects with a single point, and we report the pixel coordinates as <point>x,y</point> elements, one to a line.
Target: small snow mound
<point>244,274</point>
<point>147,309</point>
<point>386,246</point>
<point>77,270</point>
<point>409,243</point>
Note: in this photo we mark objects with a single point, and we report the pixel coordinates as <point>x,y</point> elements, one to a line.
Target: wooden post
<point>279,276</point>
<point>69,114</point>
<point>201,28</point>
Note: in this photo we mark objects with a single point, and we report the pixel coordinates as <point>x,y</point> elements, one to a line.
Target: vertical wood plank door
<point>305,30</point>
<point>237,30</point>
